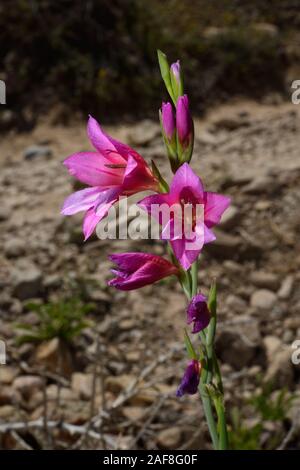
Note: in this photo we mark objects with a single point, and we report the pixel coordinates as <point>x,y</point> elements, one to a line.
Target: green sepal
<point>189,347</point>
<point>163,185</point>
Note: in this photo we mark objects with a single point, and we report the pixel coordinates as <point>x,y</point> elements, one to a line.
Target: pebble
<point>35,151</point>
<point>265,280</point>
<point>263,299</point>
<point>286,288</point>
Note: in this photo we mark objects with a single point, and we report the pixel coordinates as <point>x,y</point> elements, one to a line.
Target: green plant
<point>63,319</point>
<point>242,437</point>
<point>275,408</point>
<point>266,408</point>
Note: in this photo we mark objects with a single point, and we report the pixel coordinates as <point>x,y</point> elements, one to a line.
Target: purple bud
<point>190,380</point>
<point>184,121</point>
<point>198,313</point>
<point>168,121</point>
<point>175,70</point>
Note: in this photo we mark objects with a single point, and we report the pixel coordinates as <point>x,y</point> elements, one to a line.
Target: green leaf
<point>189,347</point>
<point>165,73</point>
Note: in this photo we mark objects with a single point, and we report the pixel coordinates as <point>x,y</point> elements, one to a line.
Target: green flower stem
<point>208,411</point>
<point>211,369</point>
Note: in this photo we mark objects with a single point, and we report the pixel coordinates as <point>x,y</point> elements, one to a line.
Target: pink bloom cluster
<point>114,169</point>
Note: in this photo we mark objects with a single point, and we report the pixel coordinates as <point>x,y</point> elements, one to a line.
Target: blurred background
<point>91,367</point>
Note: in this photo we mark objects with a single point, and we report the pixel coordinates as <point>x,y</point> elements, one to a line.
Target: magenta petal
<point>98,138</point>
<point>186,178</point>
<point>89,223</point>
<point>215,205</point>
<point>105,144</point>
<point>80,201</point>
<point>151,204</point>
<point>190,380</point>
<point>185,257</point>
<point>198,313</point>
<point>91,168</point>
<point>209,236</point>
<point>106,199</point>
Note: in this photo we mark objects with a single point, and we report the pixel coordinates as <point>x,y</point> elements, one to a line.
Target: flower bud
<point>176,80</point>
<point>185,129</point>
<point>190,380</point>
<point>168,121</point>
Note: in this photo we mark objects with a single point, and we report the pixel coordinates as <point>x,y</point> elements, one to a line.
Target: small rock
<point>225,245</point>
<point>262,205</point>
<point>14,247</point>
<point>265,280</point>
<point>239,344</point>
<point>55,356</point>
<point>7,375</point>
<point>232,266</point>
<point>286,288</point>
<point>28,384</point>
<point>268,29</point>
<point>35,151</point>
<point>169,438</point>
<point>144,133</point>
<point>119,383</point>
<point>82,384</point>
<point>27,281</point>
<point>280,369</point>
<point>230,218</point>
<point>4,213</point>
<point>133,413</point>
<point>6,412</point>
<point>262,184</point>
<point>263,299</point>
<point>9,396</point>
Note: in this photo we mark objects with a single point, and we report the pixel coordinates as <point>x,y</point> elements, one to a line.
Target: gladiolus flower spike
<point>114,169</point>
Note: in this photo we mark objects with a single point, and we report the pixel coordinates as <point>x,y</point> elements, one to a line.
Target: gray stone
<point>225,245</point>
<point>238,344</point>
<point>14,247</point>
<point>4,213</point>
<point>169,438</point>
<point>27,281</point>
<point>263,299</point>
<point>280,370</point>
<point>286,288</point>
<point>35,151</point>
<point>265,280</point>
<point>28,384</point>
<point>262,184</point>
<point>144,133</point>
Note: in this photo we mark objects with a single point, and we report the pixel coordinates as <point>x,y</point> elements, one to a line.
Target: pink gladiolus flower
<point>190,380</point>
<point>198,313</point>
<point>168,121</point>
<point>187,191</point>
<point>112,171</point>
<point>137,270</point>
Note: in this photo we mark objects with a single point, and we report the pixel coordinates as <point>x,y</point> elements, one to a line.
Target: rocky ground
<point>120,374</point>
